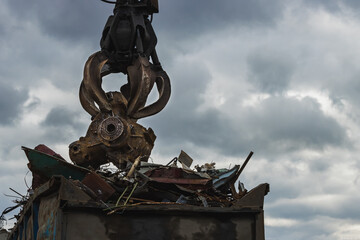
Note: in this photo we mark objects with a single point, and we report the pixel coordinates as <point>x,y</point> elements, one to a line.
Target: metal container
<point>60,210</point>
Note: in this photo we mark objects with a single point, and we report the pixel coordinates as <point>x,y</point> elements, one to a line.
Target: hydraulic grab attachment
<point>127,46</point>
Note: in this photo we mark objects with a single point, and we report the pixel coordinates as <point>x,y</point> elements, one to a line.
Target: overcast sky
<point>280,78</point>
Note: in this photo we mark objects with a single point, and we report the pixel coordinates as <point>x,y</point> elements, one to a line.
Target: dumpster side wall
<point>144,225</point>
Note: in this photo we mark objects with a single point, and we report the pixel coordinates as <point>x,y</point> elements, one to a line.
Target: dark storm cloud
<point>59,117</point>
<point>64,19</point>
<point>81,19</point>
<point>63,125</point>
<point>186,18</point>
<point>269,71</point>
<point>292,122</point>
<point>11,103</point>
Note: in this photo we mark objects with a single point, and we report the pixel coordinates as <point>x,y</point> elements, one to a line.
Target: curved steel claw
<point>141,81</point>
<point>164,90</point>
<point>86,102</point>
<point>93,80</point>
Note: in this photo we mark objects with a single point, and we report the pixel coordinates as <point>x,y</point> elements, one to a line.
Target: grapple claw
<point>128,44</point>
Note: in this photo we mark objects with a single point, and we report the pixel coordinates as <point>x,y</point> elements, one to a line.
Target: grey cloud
<point>350,89</point>
<point>80,20</point>
<point>33,103</point>
<point>334,5</point>
<point>319,165</point>
<point>269,71</point>
<point>294,211</point>
<point>179,122</point>
<point>330,5</point>
<point>278,125</point>
<point>63,125</point>
<point>59,117</point>
<point>64,19</point>
<point>300,231</point>
<point>7,170</point>
<point>11,102</point>
<point>29,58</point>
<point>296,123</point>
<point>186,18</point>
<point>306,211</point>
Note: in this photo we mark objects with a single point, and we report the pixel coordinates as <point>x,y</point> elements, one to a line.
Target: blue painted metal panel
<point>225,177</point>
<point>35,216</point>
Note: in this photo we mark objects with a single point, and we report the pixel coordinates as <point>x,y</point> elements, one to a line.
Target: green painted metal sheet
<point>48,166</point>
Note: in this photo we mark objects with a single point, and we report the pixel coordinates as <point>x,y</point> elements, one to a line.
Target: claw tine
<point>164,89</point>
<point>93,80</point>
<point>86,102</point>
<point>141,79</point>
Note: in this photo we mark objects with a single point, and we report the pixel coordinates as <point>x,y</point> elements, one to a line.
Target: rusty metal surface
<point>48,211</point>
<point>29,235</point>
<point>254,198</point>
<point>145,225</point>
<point>99,186</point>
<point>180,177</point>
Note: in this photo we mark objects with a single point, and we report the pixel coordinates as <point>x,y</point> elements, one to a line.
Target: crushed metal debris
<point>143,182</point>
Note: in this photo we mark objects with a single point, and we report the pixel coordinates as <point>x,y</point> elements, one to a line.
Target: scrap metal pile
<point>142,183</point>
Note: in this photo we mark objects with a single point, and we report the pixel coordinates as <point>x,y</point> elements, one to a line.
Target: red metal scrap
<point>45,149</point>
<point>180,177</point>
<point>98,185</point>
<point>181,180</point>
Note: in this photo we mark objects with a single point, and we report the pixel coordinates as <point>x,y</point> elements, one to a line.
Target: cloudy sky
<point>280,78</point>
